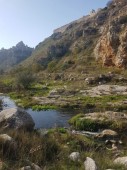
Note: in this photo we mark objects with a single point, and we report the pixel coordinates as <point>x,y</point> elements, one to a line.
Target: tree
<point>24,79</point>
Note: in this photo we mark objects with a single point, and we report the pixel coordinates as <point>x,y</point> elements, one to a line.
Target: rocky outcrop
<point>105,90</point>
<point>111,47</point>
<point>99,121</point>
<point>103,33</point>
<point>16,118</point>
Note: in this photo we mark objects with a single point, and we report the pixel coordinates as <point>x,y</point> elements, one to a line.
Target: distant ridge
<point>13,56</point>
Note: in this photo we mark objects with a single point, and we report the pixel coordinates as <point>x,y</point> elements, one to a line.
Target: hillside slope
<point>100,36</point>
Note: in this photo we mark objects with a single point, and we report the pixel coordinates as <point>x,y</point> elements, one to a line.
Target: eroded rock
<point>16,118</point>
<point>111,47</point>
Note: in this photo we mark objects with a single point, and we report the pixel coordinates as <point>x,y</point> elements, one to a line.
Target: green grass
<point>23,98</point>
<point>79,122</point>
<point>52,151</point>
<point>104,102</point>
<point>43,107</point>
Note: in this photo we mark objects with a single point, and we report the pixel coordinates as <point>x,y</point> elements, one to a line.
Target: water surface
<point>43,119</point>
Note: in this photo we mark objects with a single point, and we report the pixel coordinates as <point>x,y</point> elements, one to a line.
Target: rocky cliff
<point>111,47</point>
<point>100,36</point>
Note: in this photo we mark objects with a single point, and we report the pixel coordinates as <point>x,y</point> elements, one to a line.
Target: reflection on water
<point>7,102</point>
<point>50,118</point>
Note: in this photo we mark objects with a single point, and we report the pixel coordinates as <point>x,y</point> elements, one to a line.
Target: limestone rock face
<point>111,47</point>
<point>16,118</point>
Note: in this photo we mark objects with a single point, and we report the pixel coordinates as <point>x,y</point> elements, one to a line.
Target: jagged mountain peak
<point>20,44</point>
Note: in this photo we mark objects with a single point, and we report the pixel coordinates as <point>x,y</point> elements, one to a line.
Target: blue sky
<point>31,21</point>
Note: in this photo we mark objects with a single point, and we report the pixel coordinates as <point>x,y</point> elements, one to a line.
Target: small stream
<point>43,119</point>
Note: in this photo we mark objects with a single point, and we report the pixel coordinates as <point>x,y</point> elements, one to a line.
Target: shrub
<point>52,66</point>
<point>24,79</point>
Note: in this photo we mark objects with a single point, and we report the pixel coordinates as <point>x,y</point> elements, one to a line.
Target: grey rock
<point>43,132</point>
<point>90,164</point>
<point>5,138</point>
<point>74,156</point>
<point>31,167</point>
<point>35,167</point>
<point>16,118</point>
<point>121,160</point>
<point>26,168</point>
<point>8,143</point>
<point>107,134</point>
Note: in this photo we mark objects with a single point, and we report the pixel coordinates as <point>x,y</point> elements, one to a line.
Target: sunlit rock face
<point>111,47</point>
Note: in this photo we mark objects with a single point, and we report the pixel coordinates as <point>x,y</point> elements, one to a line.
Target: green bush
<point>52,65</point>
<point>80,123</point>
<point>24,79</point>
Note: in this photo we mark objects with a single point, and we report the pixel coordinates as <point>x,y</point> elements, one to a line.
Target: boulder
<point>4,138</point>
<point>74,156</point>
<point>121,160</point>
<point>90,164</point>
<point>107,134</point>
<point>26,168</point>
<point>31,167</point>
<point>8,145</point>
<point>16,118</point>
